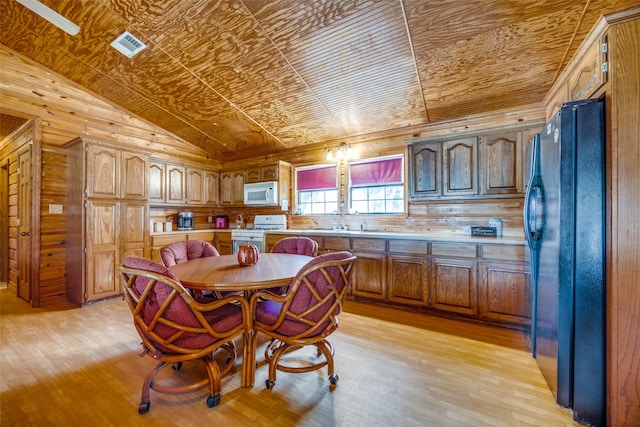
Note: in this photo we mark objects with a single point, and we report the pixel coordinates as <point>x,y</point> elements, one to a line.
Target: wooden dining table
<point>224,274</point>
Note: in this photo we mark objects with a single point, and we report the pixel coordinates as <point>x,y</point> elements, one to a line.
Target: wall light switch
<point>55,209</point>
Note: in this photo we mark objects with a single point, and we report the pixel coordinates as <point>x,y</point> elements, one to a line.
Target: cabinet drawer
<point>503,252</point>
<point>224,236</point>
<point>165,240</point>
<point>408,247</point>
<point>208,236</point>
<point>370,245</point>
<point>337,243</point>
<point>463,250</point>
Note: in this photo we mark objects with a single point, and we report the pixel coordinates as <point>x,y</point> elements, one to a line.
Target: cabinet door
<point>103,221</point>
<point>505,293</point>
<point>133,229</point>
<point>454,285</point>
<point>269,173</point>
<point>407,279</point>
<point>211,188</point>
<point>157,182</point>
<point>195,186</point>
<point>369,278</point>
<point>134,175</point>
<point>176,188</point>
<point>460,160</point>
<point>502,164</point>
<point>226,188</point>
<point>425,160</point>
<point>252,175</point>
<point>103,172</point>
<point>223,243</point>
<point>238,188</point>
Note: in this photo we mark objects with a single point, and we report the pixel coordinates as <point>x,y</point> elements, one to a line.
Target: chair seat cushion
<point>268,312</point>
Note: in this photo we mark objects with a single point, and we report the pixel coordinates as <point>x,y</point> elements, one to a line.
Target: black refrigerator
<point>564,217</point>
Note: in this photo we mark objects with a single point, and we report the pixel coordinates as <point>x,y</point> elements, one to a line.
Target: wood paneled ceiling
<point>243,78</point>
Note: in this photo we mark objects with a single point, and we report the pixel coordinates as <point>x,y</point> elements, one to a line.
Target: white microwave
<point>261,193</point>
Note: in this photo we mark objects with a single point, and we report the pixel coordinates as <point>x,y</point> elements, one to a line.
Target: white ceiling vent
<point>127,44</point>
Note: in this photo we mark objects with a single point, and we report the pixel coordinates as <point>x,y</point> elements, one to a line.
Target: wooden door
<point>454,285</point>
<point>4,223</point>
<point>425,160</point>
<point>501,164</point>
<point>369,279</point>
<point>24,225</point>
<point>238,188</point>
<point>407,279</point>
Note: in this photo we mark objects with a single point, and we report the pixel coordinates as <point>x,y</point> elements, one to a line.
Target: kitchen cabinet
<point>211,188</point>
<point>502,162</point>
<point>232,188</point>
<point>505,284</point>
<point>407,275</point>
<point>278,171</point>
<point>223,243</point>
<point>195,186</point>
<point>176,188</point>
<point>370,275</point>
<point>485,165</point>
<point>460,167</point>
<point>108,216</point>
<point>454,277</point>
<point>157,182</point>
<point>443,169</point>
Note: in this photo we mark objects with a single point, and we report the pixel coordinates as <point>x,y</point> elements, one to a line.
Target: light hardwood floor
<point>80,366</point>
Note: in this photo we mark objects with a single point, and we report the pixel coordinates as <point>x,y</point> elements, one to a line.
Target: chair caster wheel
<point>213,401</point>
<point>333,379</point>
<point>177,366</point>
<point>143,408</point>
<point>269,384</point>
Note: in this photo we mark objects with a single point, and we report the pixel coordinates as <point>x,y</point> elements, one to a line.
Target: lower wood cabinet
<point>454,285</point>
<point>369,276</point>
<point>408,279</point>
<point>223,243</point>
<point>505,293</point>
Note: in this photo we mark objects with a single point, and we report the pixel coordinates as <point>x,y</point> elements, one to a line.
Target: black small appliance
<point>185,220</point>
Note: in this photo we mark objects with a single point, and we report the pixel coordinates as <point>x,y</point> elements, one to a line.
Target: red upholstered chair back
<point>178,252</point>
<point>166,316</point>
<point>314,299</point>
<point>296,245</point>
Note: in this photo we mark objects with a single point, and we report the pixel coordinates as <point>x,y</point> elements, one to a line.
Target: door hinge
<point>605,67</point>
<point>605,47</point>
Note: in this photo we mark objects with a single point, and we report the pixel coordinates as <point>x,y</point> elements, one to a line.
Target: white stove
<point>255,236</point>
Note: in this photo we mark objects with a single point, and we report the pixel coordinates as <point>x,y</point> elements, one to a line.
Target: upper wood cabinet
<point>176,188</point>
<point>486,165</point>
<point>443,169</point>
<point>134,175</point>
<point>232,187</point>
<point>264,173</point>
<point>114,173</point>
<point>460,167</point>
<point>174,183</point>
<point>157,182</point>
<point>102,171</point>
<point>501,162</point>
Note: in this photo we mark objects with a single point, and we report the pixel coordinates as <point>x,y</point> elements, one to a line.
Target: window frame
<point>403,183</point>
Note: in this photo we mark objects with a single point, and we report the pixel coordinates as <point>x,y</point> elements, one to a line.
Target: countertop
<point>415,235</point>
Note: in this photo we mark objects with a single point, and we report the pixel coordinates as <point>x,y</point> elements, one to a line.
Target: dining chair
<point>184,250</point>
<point>298,245</point>
<point>305,316</point>
<point>175,327</point>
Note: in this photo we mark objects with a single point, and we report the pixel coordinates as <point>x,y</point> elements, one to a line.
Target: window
<point>377,185</point>
<point>317,190</point>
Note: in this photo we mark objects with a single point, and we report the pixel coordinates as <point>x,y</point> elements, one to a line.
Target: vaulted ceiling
<point>241,78</point>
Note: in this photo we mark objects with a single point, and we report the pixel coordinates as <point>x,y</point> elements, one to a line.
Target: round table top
<point>223,273</point>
